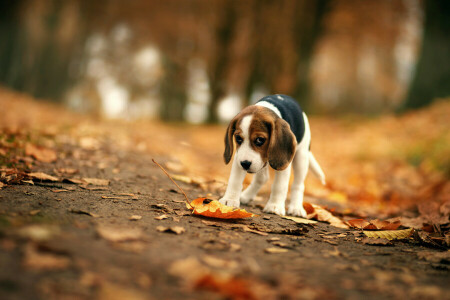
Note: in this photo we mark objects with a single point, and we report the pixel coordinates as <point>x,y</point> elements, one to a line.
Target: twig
<point>187,199</point>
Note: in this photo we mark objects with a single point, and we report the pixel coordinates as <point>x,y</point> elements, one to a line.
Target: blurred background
<point>201,61</point>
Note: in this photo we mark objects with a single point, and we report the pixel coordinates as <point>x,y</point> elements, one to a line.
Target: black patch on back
<point>290,111</point>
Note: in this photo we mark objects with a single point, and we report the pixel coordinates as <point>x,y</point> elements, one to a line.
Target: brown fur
<point>279,148</point>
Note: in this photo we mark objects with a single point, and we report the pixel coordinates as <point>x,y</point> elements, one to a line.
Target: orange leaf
<point>40,153</point>
<point>308,207</point>
<point>215,209</point>
<point>358,223</point>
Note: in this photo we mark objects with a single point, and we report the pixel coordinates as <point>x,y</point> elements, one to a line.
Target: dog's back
<point>289,110</point>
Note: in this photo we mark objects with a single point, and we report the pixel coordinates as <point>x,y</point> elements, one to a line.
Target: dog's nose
<point>246,164</point>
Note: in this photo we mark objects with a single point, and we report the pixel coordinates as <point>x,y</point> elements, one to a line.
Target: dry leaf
<point>36,260</point>
<point>38,233</point>
<point>40,153</point>
<point>215,209</point>
<point>61,190</point>
<point>96,181</point>
<point>161,217</point>
<point>2,185</point>
<point>228,287</point>
<point>173,229</point>
<point>275,250</point>
<point>84,212</point>
<point>68,171</point>
<point>219,263</point>
<point>119,234</point>
<point>373,224</point>
<point>389,234</point>
<point>321,214</point>
<point>135,218</point>
<point>247,229</point>
<point>42,176</point>
<point>34,212</point>
<point>300,220</point>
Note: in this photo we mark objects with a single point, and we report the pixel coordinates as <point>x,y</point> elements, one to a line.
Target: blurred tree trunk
<point>432,77</point>
<point>218,72</point>
<point>173,92</point>
<point>308,28</point>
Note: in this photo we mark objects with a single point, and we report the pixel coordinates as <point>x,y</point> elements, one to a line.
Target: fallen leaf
<point>219,263</point>
<point>84,212</point>
<point>215,209</point>
<point>38,233</point>
<point>373,224</point>
<point>114,291</point>
<point>247,229</point>
<point>2,185</point>
<point>34,212</point>
<point>42,176</point>
<point>358,223</point>
<point>115,197</point>
<point>321,214</point>
<point>210,208</point>
<point>389,234</point>
<point>135,218</point>
<point>60,190</point>
<point>274,250</point>
<point>300,220</point>
<point>119,234</point>
<point>173,229</point>
<point>74,180</point>
<point>37,260</point>
<point>161,217</point>
<point>280,244</point>
<point>229,288</point>
<point>40,153</point>
<point>68,171</point>
<point>96,181</point>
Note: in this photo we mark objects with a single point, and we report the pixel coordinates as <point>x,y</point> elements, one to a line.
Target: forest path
<point>110,225</point>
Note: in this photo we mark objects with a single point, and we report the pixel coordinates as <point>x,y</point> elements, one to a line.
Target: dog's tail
<point>315,168</point>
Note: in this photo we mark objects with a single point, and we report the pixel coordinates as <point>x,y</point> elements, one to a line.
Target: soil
<point>320,260</point>
<point>133,237</point>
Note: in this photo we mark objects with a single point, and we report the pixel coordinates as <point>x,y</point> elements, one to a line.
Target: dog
<point>275,132</point>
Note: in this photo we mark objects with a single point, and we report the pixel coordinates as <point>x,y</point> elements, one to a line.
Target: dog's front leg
<point>280,186</point>
<point>234,188</point>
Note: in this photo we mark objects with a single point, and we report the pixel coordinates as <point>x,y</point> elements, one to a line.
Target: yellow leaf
<point>389,234</point>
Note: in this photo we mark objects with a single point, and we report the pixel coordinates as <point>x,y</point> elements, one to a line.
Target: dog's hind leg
<point>300,165</point>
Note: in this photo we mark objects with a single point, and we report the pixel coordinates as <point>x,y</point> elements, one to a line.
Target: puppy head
<point>260,137</point>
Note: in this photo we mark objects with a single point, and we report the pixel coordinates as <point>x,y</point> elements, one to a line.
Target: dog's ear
<point>229,146</point>
<point>282,145</point>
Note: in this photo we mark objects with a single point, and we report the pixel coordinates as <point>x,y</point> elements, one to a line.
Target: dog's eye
<point>259,141</point>
<point>238,139</point>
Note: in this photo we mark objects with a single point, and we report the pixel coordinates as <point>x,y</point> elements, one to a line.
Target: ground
<point>111,225</point>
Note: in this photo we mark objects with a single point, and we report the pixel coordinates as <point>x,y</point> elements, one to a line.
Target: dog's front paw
<point>297,211</point>
<point>275,208</point>
<point>230,202</point>
<point>246,198</point>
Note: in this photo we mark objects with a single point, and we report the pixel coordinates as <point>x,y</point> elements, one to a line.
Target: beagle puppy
<point>273,132</point>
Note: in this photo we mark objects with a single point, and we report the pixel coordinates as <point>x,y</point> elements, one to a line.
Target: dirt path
<point>110,225</point>
<point>63,240</point>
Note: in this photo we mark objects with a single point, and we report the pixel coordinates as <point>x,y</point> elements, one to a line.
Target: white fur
<point>245,151</point>
<point>303,159</point>
<point>269,106</point>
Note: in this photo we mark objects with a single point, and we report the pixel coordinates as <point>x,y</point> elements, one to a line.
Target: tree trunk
<point>432,77</point>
